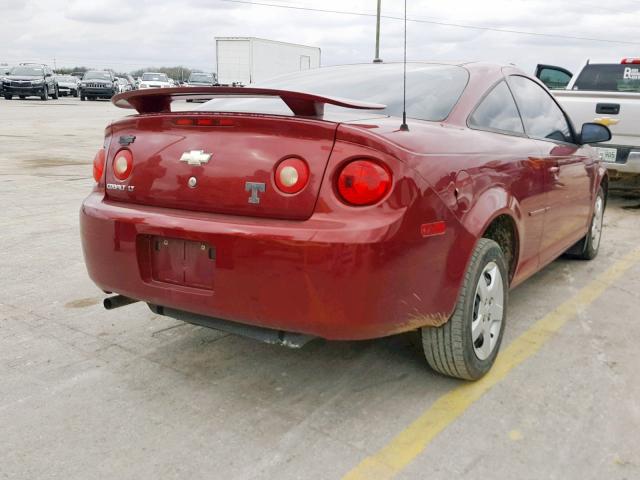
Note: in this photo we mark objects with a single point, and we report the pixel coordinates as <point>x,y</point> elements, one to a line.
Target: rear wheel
<point>8,97</point>
<point>82,98</point>
<point>467,345</point>
<point>45,94</point>
<point>588,247</point>
<point>21,97</point>
<point>56,93</point>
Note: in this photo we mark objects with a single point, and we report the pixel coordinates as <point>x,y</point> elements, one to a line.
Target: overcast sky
<point>125,35</point>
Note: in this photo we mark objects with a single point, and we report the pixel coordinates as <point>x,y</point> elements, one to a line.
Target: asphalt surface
<point>125,394</point>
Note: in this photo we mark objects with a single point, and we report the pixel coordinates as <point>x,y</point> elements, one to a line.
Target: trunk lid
<point>243,149</point>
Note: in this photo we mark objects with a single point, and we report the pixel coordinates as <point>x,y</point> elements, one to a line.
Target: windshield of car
<point>27,71</point>
<point>97,76</point>
<point>609,78</point>
<point>432,89</point>
<point>201,77</point>
<point>154,77</point>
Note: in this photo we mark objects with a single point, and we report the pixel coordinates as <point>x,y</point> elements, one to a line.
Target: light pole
<point>377,58</point>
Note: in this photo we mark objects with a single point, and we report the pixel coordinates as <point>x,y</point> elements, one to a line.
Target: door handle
<point>611,108</point>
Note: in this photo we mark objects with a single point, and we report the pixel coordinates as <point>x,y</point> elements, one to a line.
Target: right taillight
<point>122,164</point>
<point>363,182</point>
<point>98,165</point>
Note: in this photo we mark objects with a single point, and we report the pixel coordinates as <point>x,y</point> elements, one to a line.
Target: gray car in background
<point>68,85</point>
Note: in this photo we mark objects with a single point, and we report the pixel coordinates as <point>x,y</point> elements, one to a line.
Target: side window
<point>497,111</point>
<point>541,116</point>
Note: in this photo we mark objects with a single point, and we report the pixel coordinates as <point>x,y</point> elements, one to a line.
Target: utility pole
<point>377,58</point>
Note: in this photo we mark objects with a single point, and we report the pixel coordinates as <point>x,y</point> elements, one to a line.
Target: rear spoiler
<point>158,100</point>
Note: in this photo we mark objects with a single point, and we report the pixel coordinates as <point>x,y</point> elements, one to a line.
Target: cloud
<point>112,11</point>
<point>127,35</point>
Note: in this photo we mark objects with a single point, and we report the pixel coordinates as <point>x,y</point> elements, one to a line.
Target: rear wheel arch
<point>503,230</point>
<point>495,215</point>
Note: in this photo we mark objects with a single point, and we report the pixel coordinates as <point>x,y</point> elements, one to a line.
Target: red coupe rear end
<point>286,215</point>
<point>288,223</point>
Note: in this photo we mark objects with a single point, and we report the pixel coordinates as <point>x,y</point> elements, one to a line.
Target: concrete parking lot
<point>126,394</point>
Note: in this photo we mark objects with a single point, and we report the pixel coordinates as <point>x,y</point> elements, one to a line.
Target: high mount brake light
<point>204,122</point>
<point>292,175</point>
<point>635,60</point>
<point>98,165</point>
<point>364,182</point>
<point>122,164</point>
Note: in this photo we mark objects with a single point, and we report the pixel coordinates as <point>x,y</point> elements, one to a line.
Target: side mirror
<point>594,133</point>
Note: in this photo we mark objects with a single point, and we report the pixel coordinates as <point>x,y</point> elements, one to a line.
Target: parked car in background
<point>130,80</point>
<point>306,207</point>
<point>68,85</point>
<point>30,80</point>
<point>201,79</point>
<point>123,84</point>
<point>154,80</point>
<point>4,71</point>
<point>606,93</point>
<point>98,84</point>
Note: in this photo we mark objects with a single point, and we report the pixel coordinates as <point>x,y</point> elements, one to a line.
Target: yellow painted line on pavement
<point>409,443</point>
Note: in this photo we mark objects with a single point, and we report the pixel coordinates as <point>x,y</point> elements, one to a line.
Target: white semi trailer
<point>246,60</point>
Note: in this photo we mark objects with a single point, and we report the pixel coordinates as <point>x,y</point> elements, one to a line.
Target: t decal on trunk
<point>254,188</point>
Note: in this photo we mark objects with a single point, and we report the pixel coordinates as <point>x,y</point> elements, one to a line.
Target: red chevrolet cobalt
<point>304,207</point>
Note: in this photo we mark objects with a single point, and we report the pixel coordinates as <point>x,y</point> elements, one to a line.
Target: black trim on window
<point>493,130</point>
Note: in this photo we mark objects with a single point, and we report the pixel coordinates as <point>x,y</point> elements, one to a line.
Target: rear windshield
<point>432,89</point>
<point>609,78</point>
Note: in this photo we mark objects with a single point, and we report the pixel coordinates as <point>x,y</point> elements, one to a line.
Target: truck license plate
<point>607,154</point>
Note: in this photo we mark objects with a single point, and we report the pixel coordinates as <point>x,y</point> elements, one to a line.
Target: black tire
<point>8,97</point>
<point>449,349</point>
<point>75,94</point>
<point>589,246</point>
<point>45,94</point>
<point>22,97</point>
<point>82,98</point>
<point>56,93</point>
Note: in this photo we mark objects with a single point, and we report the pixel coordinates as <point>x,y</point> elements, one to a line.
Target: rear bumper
<point>630,165</point>
<point>317,277</point>
<point>627,159</point>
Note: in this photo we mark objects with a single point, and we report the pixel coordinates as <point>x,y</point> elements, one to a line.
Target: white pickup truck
<point>606,93</point>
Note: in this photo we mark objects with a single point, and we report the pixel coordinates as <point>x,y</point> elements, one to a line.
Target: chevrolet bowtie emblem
<point>195,157</point>
<point>606,121</point>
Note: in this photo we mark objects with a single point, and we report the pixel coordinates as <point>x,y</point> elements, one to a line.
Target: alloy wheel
<point>488,311</point>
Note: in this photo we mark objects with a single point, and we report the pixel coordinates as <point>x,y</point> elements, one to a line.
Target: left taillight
<point>98,165</point>
<point>363,182</point>
<point>122,164</point>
